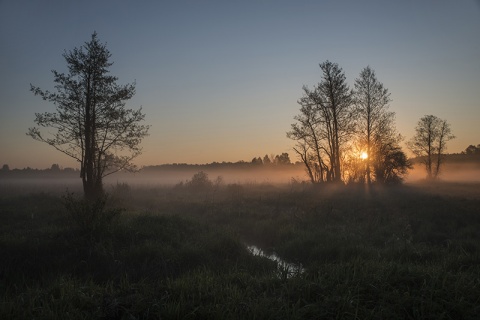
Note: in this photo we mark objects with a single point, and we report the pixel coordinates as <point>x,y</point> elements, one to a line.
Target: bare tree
<point>430,143</point>
<point>309,135</point>
<point>91,122</point>
<point>335,102</point>
<point>303,151</point>
<point>374,120</point>
<point>325,124</point>
<point>444,135</point>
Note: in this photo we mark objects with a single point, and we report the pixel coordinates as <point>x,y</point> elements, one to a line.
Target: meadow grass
<point>406,252</point>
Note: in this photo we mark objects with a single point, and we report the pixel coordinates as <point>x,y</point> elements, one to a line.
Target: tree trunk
<point>92,184</point>
<point>369,138</point>
<point>337,173</point>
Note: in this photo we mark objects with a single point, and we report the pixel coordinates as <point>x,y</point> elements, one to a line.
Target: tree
<point>391,163</point>
<point>91,121</point>
<point>309,136</point>
<point>257,161</point>
<point>376,134</point>
<point>303,151</point>
<point>266,160</point>
<point>471,149</point>
<point>200,181</point>
<point>335,102</point>
<point>282,159</point>
<point>325,124</point>
<point>5,167</point>
<point>430,143</point>
<point>374,121</point>
<point>444,135</point>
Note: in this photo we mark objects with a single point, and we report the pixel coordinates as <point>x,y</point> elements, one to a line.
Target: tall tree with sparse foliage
<point>92,124</point>
<point>336,109</point>
<point>376,133</point>
<point>325,125</point>
<point>430,143</point>
<point>310,138</point>
<point>374,120</point>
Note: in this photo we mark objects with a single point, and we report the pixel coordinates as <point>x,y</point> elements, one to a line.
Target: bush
<point>200,181</point>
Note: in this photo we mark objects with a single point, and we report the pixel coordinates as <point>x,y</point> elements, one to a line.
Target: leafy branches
<point>91,122</point>
<point>430,143</point>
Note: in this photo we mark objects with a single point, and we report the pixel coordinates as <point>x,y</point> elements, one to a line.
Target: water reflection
<point>285,269</point>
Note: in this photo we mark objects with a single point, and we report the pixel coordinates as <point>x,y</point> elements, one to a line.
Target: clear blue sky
<point>219,80</point>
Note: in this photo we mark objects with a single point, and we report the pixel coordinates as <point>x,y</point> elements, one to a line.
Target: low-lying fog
<point>461,173</point>
<point>451,172</point>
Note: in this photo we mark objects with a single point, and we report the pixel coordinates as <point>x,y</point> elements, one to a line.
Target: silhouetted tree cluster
<point>266,160</point>
<point>54,168</point>
<point>199,181</point>
<point>281,159</point>
<point>55,171</point>
<point>430,142</point>
<point>257,161</point>
<point>239,165</point>
<point>91,122</point>
<point>471,149</point>
<point>348,135</point>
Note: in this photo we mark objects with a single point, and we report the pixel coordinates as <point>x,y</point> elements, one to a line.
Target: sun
<point>363,155</point>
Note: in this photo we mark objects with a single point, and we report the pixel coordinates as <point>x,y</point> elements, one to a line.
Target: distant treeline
<point>272,161</point>
<point>470,155</point>
<point>455,158</point>
<point>54,171</point>
<point>277,161</point>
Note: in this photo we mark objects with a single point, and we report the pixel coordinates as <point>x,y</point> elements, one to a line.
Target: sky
<point>219,80</point>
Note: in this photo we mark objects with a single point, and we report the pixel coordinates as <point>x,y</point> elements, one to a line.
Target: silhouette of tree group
<point>280,159</point>
<point>471,149</point>
<point>348,135</point>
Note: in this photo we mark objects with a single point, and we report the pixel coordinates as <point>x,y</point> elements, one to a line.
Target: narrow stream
<point>285,269</point>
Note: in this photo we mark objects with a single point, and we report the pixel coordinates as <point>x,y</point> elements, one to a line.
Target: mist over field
<point>462,173</point>
<point>169,176</point>
<point>451,172</point>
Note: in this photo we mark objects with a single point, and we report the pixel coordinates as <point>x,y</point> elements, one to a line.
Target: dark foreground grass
<point>397,253</point>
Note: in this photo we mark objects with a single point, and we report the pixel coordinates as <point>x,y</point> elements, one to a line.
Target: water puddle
<point>284,269</point>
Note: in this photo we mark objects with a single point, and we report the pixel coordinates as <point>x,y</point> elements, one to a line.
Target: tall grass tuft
<point>92,218</point>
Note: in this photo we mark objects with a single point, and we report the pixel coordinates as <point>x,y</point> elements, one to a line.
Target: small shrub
<point>200,181</point>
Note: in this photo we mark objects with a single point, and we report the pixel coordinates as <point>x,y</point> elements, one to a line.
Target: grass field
<point>405,252</point>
